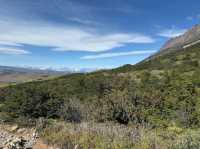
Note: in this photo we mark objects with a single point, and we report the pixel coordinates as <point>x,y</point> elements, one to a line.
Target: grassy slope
<point>175,59</point>
<point>159,92</point>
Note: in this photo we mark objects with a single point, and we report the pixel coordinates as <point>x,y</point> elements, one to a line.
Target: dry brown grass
<point>113,136</point>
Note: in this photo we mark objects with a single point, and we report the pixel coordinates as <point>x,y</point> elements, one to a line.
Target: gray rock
<point>10,141</point>
<point>191,36</point>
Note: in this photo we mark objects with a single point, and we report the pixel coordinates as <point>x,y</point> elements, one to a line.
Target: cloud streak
<point>191,18</point>
<point>7,43</point>
<point>13,51</point>
<point>66,38</point>
<point>84,21</point>
<point>110,55</point>
<point>171,33</point>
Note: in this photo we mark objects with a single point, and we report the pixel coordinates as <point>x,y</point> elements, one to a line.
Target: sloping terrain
<point>191,36</point>
<point>188,39</point>
<point>158,92</point>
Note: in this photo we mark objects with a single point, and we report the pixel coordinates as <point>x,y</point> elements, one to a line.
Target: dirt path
<point>40,145</point>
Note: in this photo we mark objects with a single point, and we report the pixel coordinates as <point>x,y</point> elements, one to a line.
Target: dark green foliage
<point>121,116</point>
<point>158,92</point>
<point>70,112</point>
<point>33,102</point>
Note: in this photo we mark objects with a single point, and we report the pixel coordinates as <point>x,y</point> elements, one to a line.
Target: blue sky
<point>89,33</point>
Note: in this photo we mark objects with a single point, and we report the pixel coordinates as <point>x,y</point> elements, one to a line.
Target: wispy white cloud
<point>66,38</point>
<point>84,21</point>
<point>191,18</point>
<point>173,32</point>
<point>7,43</point>
<point>17,29</point>
<point>13,51</point>
<point>110,55</point>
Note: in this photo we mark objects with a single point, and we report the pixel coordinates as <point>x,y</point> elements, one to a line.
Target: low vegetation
<point>159,94</point>
<point>113,136</point>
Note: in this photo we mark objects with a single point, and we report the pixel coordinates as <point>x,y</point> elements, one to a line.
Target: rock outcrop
<point>190,37</point>
<point>14,138</point>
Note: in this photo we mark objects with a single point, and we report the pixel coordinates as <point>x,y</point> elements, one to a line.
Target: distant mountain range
<point>22,70</point>
<point>22,74</point>
<point>10,74</point>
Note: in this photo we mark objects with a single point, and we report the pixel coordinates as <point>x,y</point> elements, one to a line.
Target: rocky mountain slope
<point>189,38</point>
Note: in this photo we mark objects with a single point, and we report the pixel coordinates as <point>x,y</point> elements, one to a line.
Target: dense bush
<point>70,113</point>
<point>121,116</point>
